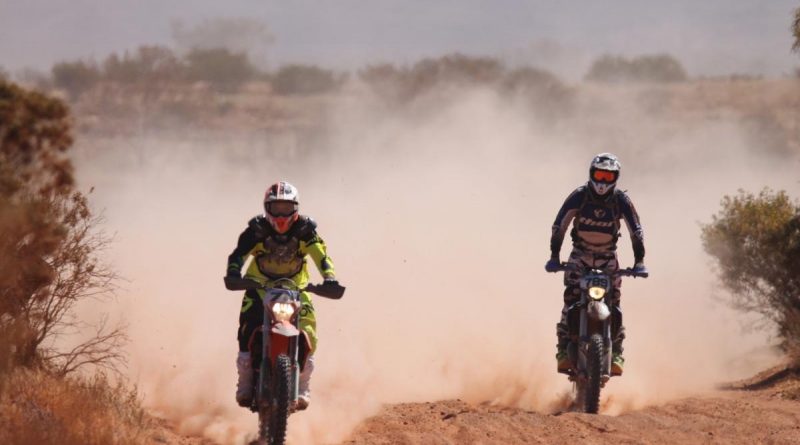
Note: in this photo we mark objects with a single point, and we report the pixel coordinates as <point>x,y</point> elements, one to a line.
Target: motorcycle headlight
<point>596,293</point>
<point>282,311</point>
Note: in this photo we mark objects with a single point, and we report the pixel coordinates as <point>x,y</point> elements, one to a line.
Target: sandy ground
<point>756,412</point>
<point>164,433</point>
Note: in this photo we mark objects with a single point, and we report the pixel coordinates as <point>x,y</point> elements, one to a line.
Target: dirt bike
<point>285,348</point>
<point>590,347</point>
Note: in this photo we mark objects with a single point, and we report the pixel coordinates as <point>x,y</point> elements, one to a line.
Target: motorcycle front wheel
<point>272,423</point>
<point>594,374</point>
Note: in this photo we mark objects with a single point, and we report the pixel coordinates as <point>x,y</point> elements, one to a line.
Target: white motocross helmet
<point>280,206</point>
<point>603,173</point>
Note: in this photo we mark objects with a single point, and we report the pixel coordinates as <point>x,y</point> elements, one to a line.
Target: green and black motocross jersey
<point>280,255</point>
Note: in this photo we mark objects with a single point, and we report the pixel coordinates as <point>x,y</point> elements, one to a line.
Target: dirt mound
<point>770,414</point>
<point>777,376</point>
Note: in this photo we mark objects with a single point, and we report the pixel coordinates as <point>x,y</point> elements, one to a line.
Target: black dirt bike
<point>589,348</point>
<point>285,348</point>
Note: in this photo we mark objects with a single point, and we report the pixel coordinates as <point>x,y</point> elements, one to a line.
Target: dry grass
<point>38,408</point>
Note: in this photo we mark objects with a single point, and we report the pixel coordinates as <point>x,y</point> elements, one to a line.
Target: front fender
<point>598,310</point>
<point>285,329</point>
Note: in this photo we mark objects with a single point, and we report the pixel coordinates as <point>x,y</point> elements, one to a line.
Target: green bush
<point>658,68</point>
<point>305,79</point>
<point>755,240</point>
<point>75,77</point>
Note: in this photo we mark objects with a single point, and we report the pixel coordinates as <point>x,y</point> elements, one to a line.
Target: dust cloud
<point>438,219</point>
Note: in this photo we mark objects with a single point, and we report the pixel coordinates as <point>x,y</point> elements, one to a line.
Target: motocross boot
<point>244,387</point>
<point>562,357</point>
<point>304,385</point>
<point>564,365</point>
<point>618,333</point>
<point>617,363</point>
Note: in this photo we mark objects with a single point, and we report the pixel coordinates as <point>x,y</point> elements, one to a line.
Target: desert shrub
<point>755,240</point>
<point>75,77</point>
<point>648,68</point>
<point>147,64</point>
<point>49,248</point>
<point>224,70</point>
<point>40,408</point>
<point>305,79</point>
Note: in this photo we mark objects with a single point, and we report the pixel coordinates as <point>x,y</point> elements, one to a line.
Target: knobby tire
<point>594,374</point>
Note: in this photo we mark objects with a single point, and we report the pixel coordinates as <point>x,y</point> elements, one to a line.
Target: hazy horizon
<point>713,38</point>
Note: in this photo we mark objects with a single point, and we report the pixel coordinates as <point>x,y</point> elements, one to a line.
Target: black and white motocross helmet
<point>604,173</point>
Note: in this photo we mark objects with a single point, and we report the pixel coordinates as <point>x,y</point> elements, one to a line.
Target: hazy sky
<point>708,36</point>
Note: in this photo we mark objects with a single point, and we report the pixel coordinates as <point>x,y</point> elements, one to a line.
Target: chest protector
<point>280,258</point>
<point>597,223</point>
<point>281,255</point>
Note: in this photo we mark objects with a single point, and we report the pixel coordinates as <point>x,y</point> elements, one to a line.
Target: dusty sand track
<point>769,415</point>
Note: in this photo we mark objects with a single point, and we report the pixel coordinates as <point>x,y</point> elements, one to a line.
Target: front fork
<point>273,345</point>
<point>584,333</point>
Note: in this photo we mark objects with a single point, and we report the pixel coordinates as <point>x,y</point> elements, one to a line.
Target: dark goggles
<point>604,176</point>
<point>282,208</point>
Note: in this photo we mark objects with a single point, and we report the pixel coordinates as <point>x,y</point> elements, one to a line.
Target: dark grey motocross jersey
<point>597,222</point>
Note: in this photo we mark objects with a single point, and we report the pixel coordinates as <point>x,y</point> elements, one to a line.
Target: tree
<point>304,79</point>
<point>75,77</point>
<point>48,241</point>
<point>149,64</point>
<point>755,240</point>
<point>646,68</point>
<point>222,69</point>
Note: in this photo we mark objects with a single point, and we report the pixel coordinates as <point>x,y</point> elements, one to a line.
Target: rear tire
<point>279,415</point>
<point>594,374</point>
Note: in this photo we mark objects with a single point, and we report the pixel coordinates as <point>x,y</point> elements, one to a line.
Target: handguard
<point>238,283</point>
<point>332,291</point>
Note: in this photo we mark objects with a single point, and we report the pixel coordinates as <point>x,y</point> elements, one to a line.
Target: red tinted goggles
<point>604,176</point>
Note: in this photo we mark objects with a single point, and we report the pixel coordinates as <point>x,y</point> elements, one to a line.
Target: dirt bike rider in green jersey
<point>278,242</point>
<point>596,208</point>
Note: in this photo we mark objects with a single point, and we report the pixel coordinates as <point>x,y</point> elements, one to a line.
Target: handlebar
<point>326,290</point>
<point>630,272</point>
<point>627,272</point>
<point>563,267</point>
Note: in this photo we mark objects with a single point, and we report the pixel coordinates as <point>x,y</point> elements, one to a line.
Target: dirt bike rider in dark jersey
<point>596,208</point>
<point>278,242</point>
